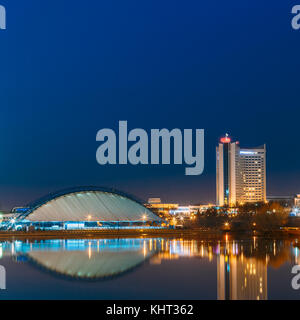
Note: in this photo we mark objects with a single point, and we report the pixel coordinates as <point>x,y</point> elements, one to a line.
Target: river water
<point>148,268</point>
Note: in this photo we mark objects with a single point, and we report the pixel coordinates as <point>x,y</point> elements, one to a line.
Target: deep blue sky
<point>69,68</point>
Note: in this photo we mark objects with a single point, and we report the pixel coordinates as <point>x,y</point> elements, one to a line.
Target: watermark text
<point>296,279</point>
<point>188,147</point>
<point>2,18</point>
<point>2,278</point>
<point>296,18</point>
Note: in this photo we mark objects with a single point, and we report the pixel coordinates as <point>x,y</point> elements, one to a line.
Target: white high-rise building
<point>241,173</point>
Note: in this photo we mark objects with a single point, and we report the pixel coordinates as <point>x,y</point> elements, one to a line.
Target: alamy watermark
<point>2,278</point>
<point>2,18</point>
<point>296,19</point>
<point>296,279</point>
<point>186,149</point>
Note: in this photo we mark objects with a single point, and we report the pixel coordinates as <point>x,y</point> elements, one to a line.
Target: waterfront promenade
<point>115,233</point>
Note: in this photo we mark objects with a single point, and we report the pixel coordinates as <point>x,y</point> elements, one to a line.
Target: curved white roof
<point>92,206</point>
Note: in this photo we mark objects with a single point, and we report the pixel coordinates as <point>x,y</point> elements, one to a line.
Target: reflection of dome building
<point>87,207</point>
<point>80,265</point>
<point>85,259</point>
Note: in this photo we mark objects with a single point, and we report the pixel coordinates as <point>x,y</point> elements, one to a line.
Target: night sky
<point>70,68</point>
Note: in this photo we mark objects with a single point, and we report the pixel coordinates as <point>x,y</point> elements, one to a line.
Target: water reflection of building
<point>180,248</point>
<point>241,265</point>
<point>241,278</point>
<point>83,259</point>
<point>88,265</point>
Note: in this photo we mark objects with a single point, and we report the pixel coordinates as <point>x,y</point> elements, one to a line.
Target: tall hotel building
<point>241,173</point>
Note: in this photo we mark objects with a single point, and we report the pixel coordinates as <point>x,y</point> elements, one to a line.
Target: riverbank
<point>123,233</point>
<point>111,233</point>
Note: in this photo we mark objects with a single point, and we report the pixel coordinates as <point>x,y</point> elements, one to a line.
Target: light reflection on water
<point>240,268</point>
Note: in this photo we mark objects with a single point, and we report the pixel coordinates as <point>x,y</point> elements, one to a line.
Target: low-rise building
<point>297,201</point>
<point>285,201</point>
<point>155,205</point>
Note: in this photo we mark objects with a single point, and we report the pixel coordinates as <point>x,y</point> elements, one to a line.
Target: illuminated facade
<point>241,173</point>
<point>155,205</point>
<point>297,201</point>
<point>190,210</point>
<point>174,208</point>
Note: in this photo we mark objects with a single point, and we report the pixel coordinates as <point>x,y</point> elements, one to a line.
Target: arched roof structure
<point>88,204</point>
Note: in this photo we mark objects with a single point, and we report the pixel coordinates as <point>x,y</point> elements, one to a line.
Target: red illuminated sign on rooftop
<point>225,140</point>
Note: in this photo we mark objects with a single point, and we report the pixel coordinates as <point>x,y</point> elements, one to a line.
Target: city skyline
<point>59,86</point>
<point>149,153</point>
<point>243,154</point>
<point>239,160</point>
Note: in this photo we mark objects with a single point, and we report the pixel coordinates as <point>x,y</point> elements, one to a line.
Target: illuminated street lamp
<point>144,218</point>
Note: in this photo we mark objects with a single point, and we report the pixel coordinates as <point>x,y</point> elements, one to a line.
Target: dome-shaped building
<point>91,206</point>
